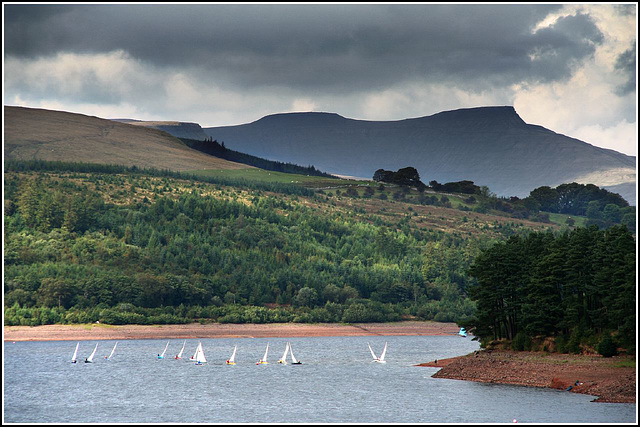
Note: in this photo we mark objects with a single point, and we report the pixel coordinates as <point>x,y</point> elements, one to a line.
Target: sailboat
<point>199,356</point>
<point>263,361</point>
<point>75,354</point>
<point>462,333</point>
<point>232,359</point>
<point>90,358</point>
<point>179,355</point>
<point>294,361</point>
<point>194,354</point>
<point>381,358</point>
<point>161,356</point>
<point>112,351</point>
<point>283,359</point>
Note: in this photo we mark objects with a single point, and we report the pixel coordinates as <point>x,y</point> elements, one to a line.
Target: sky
<point>568,67</point>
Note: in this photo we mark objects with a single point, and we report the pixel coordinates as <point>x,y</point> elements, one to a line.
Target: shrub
<point>573,345</point>
<point>233,317</point>
<point>561,343</point>
<point>520,342</point>
<point>444,316</point>
<point>607,347</point>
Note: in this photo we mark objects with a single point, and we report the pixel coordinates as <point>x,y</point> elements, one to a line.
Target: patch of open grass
<point>561,219</point>
<point>626,363</point>
<point>255,174</point>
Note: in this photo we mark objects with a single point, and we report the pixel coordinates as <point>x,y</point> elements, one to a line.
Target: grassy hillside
<point>60,136</point>
<point>125,247</point>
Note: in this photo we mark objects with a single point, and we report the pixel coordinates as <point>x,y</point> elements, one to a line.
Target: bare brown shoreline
<point>606,378</point>
<point>218,330</point>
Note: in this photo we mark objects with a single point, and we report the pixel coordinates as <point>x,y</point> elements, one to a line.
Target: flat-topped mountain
<point>177,129</point>
<point>491,146</point>
<point>31,133</point>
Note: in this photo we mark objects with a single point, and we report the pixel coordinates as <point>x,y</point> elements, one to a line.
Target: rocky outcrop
<point>606,378</point>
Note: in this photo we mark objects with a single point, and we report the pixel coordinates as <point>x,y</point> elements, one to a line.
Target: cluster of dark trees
<point>600,206</point>
<point>214,148</point>
<point>408,176</point>
<point>577,286</point>
<point>573,199</point>
<point>464,187</point>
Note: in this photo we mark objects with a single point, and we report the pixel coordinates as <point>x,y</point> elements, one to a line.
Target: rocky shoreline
<point>612,380</point>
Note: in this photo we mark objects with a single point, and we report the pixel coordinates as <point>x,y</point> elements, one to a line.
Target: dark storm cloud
<point>317,47</point>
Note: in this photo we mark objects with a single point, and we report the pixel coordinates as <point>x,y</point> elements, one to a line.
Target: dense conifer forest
<point>578,286</point>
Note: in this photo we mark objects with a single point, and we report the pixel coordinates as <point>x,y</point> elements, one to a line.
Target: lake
<point>337,383</point>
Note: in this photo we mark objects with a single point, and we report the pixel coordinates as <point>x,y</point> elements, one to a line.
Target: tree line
<point>600,206</point>
<point>577,287</point>
<point>214,148</point>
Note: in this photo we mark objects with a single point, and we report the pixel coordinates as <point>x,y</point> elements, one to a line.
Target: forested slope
<point>125,247</point>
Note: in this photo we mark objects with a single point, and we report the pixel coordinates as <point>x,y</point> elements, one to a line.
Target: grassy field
<point>382,195</point>
<point>561,219</point>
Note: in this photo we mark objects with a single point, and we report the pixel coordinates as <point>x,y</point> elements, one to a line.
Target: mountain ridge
<point>492,146</point>
<point>178,129</point>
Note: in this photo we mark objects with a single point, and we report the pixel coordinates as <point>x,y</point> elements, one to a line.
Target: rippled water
<point>336,383</point>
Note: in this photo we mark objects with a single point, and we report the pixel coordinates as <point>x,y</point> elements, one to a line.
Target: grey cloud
<point>318,48</point>
<point>626,64</point>
<point>562,45</point>
<point>625,9</point>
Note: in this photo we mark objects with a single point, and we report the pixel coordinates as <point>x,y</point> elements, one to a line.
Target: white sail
<point>90,358</point>
<point>384,352</point>
<point>381,358</point>
<point>179,356</point>
<point>194,354</point>
<point>232,359</point>
<point>283,359</point>
<point>293,358</point>
<point>200,355</point>
<point>75,353</point>
<point>264,358</point>
<point>372,353</point>
<point>164,351</point>
<point>112,351</point>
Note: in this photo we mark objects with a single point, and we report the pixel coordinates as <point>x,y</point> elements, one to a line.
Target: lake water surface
<point>337,383</point>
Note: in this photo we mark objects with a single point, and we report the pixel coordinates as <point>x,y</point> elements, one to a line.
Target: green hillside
<point>123,246</point>
<point>86,243</point>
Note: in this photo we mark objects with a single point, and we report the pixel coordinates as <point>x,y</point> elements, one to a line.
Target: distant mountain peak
<point>505,114</point>
<point>309,117</point>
